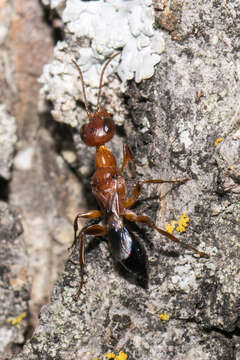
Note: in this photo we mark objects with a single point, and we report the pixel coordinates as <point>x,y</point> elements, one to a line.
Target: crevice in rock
<point>54,22</point>
<point>4,186</point>
<point>227,334</point>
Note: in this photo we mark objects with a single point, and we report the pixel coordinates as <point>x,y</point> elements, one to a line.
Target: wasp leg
<point>137,189</point>
<point>131,216</point>
<point>93,214</point>
<point>128,158</point>
<point>95,230</point>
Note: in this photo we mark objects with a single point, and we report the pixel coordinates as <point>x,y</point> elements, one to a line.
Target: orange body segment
<point>104,158</point>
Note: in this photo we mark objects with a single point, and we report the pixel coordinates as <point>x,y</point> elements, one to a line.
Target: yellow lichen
<point>121,356</point>
<point>17,320</point>
<point>216,142</point>
<point>110,356</point>
<point>183,223</point>
<point>164,316</point>
<point>170,227</point>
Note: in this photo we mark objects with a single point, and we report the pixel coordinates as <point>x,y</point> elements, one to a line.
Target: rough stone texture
<point>176,117</point>
<point>42,187</point>
<point>8,141</point>
<point>8,137</point>
<point>47,214</point>
<point>14,282</point>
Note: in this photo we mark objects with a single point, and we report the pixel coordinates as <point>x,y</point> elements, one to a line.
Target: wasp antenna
<point>101,77</point>
<point>83,89</point>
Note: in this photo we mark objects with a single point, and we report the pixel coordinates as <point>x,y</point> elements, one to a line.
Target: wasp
<point>109,187</point>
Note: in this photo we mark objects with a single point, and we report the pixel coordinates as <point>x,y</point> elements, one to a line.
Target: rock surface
<point>183,122</point>
<point>8,141</point>
<point>14,282</point>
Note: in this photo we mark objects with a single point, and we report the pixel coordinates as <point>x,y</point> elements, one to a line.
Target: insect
<point>109,188</point>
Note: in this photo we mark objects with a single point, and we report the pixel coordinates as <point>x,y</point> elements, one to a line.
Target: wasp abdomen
<point>120,243</point>
<point>128,251</point>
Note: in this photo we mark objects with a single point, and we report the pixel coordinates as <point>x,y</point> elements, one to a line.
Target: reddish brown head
<point>99,130</point>
<point>101,127</point>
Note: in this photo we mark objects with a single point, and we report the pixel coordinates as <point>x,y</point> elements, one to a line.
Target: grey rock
<point>14,283</point>
<point>176,117</point>
<point>8,139</point>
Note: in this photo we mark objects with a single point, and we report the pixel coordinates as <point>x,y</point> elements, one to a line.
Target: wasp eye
<point>108,125</point>
<point>83,132</point>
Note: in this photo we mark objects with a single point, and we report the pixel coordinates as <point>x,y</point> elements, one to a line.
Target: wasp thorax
<point>99,130</point>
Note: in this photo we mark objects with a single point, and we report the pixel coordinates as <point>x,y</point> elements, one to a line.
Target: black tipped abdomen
<point>129,253</point>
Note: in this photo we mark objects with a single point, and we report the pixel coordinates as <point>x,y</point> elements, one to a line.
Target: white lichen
<point>109,26</point>
<point>8,139</point>
<point>24,159</point>
<point>112,25</point>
